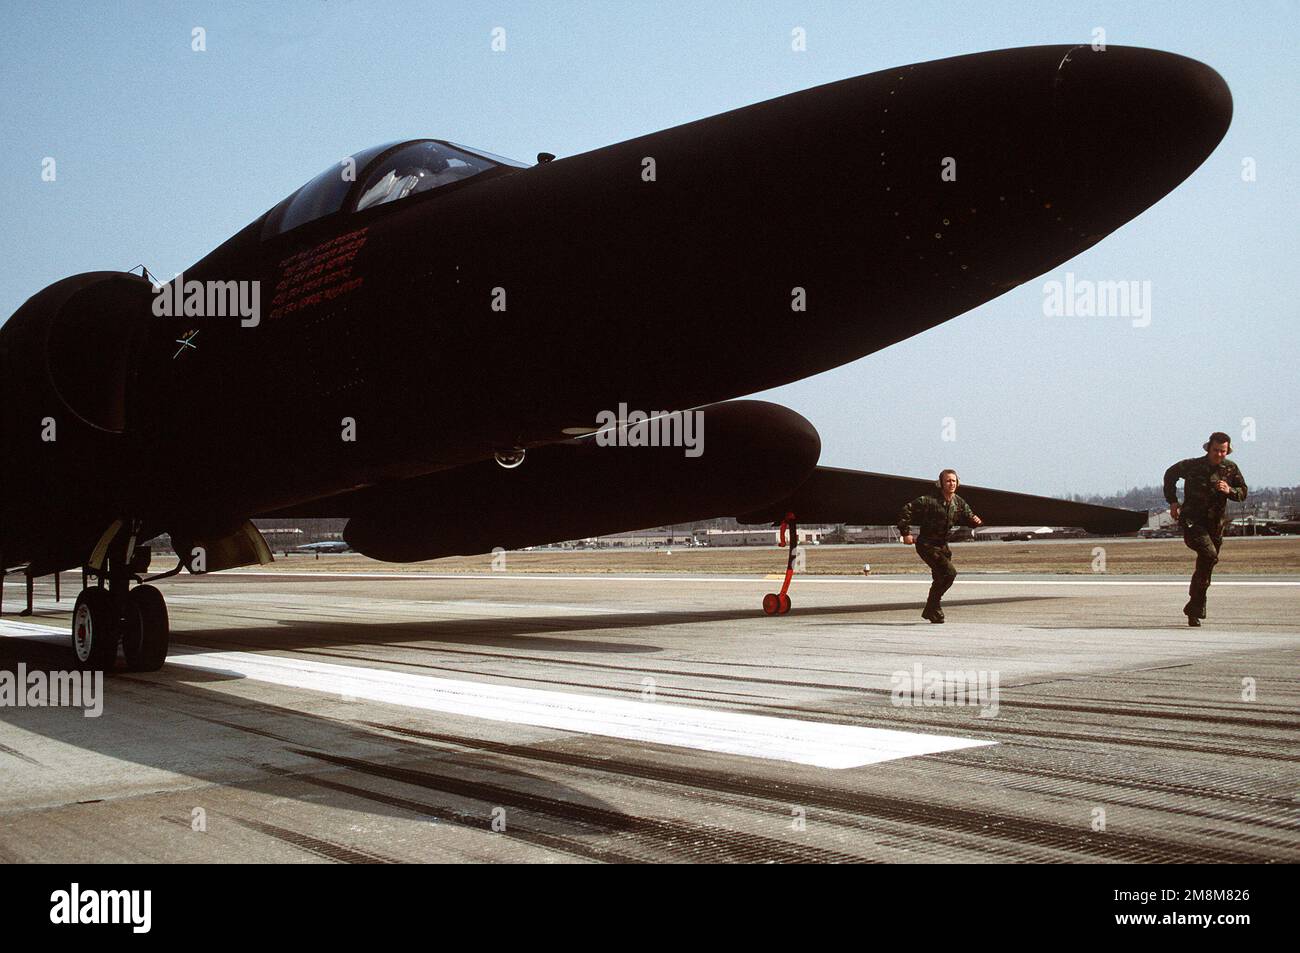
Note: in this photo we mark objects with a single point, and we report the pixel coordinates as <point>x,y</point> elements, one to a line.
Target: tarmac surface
<point>343,718</point>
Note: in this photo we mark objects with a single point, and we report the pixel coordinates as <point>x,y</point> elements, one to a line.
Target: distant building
<point>644,538</point>
<point>872,534</point>
<point>1000,532</point>
<point>1160,520</point>
<point>770,536</point>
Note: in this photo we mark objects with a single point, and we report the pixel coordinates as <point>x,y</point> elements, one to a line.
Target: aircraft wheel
<point>782,604</point>
<point>94,630</point>
<point>770,603</point>
<point>146,633</point>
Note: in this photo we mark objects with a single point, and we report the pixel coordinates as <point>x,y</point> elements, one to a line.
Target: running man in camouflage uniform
<point>1208,483</point>
<point>936,514</point>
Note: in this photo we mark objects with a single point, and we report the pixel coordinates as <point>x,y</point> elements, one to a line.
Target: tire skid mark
<point>1144,713</point>
<point>904,841</point>
<point>1154,785</point>
<point>991,730</point>
<point>1017,830</point>
<point>679,840</point>
<point>15,753</point>
<point>641,670</point>
<point>690,695</point>
<point>314,845</point>
<point>586,851</point>
<point>1129,800</point>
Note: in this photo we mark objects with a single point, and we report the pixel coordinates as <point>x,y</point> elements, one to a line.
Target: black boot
<point>932,612</point>
<point>1195,612</point>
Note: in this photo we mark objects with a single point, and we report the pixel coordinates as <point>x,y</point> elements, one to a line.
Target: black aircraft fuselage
<point>500,307</point>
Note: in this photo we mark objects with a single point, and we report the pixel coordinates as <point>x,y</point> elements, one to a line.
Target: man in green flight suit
<point>936,514</point>
<point>1208,483</point>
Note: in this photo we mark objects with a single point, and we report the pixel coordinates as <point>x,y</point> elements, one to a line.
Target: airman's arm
<point>905,518</point>
<point>1172,476</point>
<point>1238,484</point>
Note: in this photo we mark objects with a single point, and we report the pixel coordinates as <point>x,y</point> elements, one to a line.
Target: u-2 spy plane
<point>423,337</point>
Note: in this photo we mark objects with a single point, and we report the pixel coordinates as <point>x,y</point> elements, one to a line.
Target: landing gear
<point>778,603</point>
<point>145,631</point>
<point>94,630</point>
<point>110,611</point>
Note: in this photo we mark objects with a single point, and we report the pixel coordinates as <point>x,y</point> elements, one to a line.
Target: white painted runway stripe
<point>45,633</point>
<point>756,736</point>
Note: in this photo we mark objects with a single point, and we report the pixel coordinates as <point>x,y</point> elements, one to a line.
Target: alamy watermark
<point>209,299</point>
<point>75,905</point>
<point>39,689</point>
<point>920,688</point>
<point>660,428</point>
<point>1084,298</point>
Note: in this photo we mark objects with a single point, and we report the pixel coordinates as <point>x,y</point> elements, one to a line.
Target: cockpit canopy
<point>379,175</point>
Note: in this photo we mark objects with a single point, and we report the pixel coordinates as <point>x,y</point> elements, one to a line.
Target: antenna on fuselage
<point>144,273</point>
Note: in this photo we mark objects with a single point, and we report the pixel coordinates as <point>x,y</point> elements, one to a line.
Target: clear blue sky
<point>163,152</point>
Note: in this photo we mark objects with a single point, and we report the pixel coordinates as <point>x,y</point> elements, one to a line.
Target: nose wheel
<point>778,603</point>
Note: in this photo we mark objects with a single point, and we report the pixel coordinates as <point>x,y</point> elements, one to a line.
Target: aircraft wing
<point>833,495</point>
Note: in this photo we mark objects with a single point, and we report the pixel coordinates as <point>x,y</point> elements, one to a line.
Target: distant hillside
<point>1152,498</point>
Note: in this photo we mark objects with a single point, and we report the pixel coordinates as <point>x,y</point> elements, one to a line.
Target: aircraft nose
<point>823,225</point>
<point>1133,124</point>
<point>1050,149</point>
